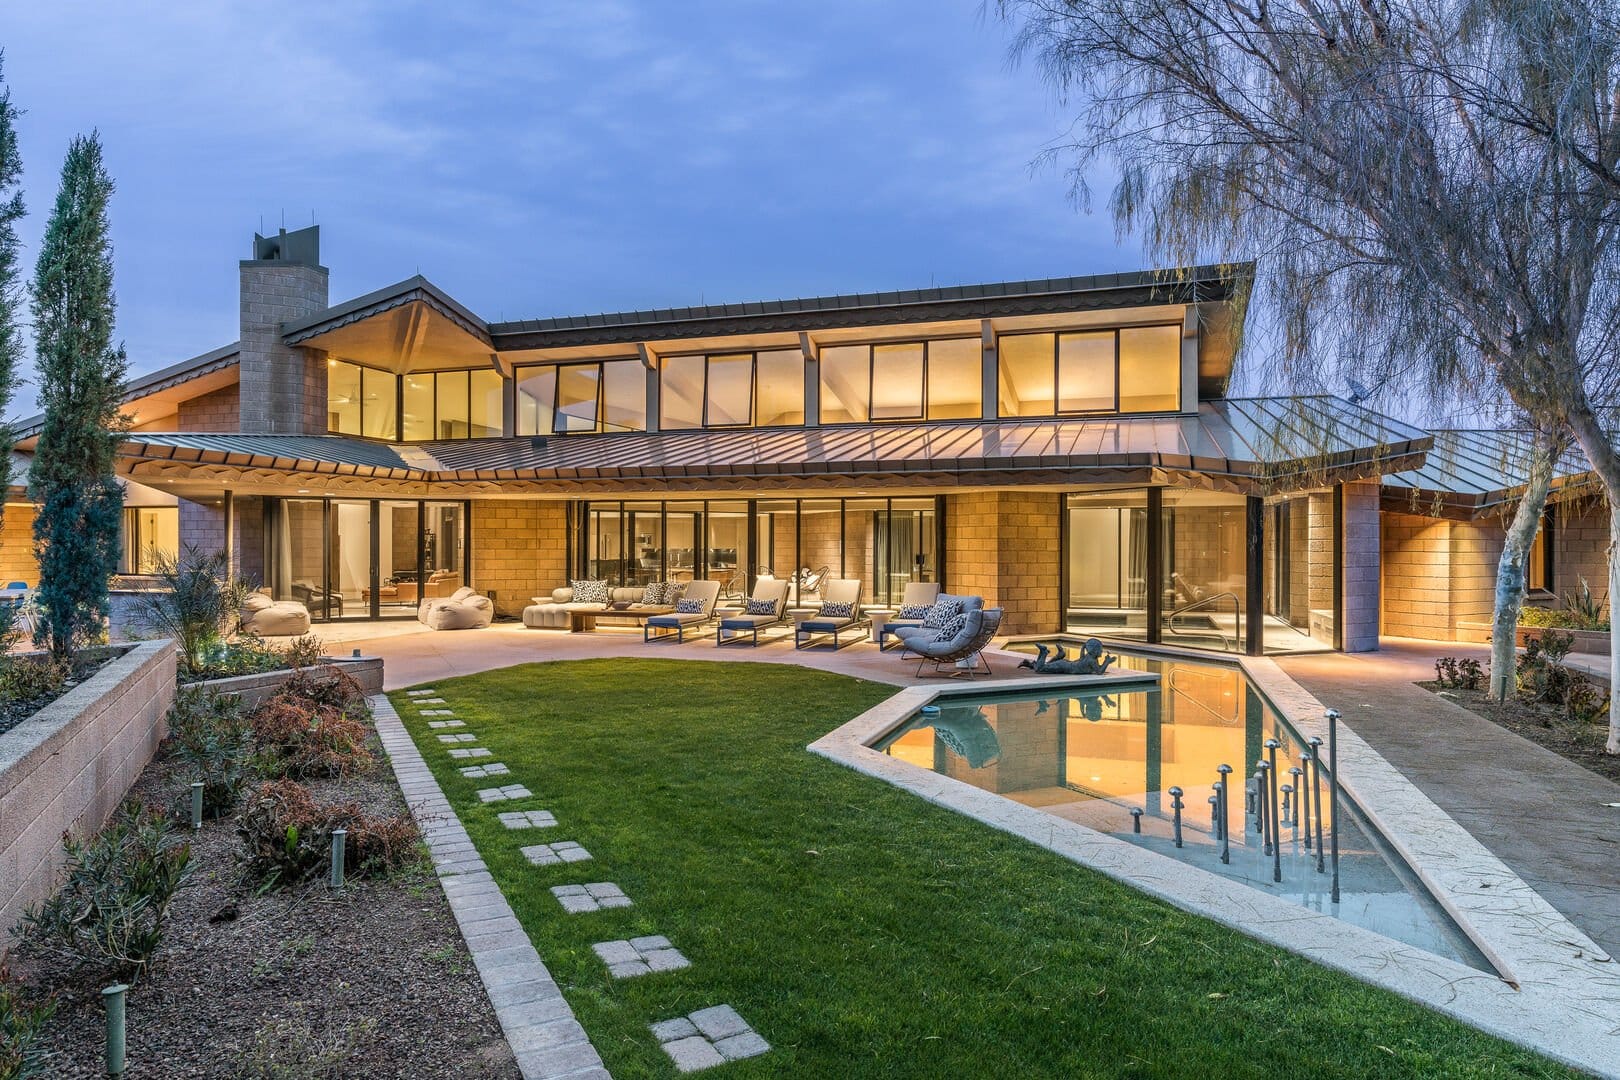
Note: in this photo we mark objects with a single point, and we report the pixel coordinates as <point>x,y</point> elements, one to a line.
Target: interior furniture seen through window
<point>1129,370</point>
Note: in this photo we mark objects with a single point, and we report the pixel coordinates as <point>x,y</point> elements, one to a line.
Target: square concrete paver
<point>431,701</point>
<point>459,737</point>
<point>501,794</point>
<point>480,772</point>
<point>470,752</point>
<point>427,691</point>
<point>437,712</point>
<point>446,723</point>
<point>563,851</point>
<point>707,1038</point>
<point>640,956</point>
<point>580,899</point>
<point>526,819</point>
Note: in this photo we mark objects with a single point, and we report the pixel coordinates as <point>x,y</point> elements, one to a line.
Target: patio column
<point>1358,540</point>
<point>1254,593</point>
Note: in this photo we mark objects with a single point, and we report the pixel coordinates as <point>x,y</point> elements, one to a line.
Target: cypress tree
<point>11,212</point>
<point>81,377</point>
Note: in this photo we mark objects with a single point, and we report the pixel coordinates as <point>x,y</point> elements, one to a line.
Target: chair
<point>463,609</point>
<point>742,623</point>
<point>678,622</point>
<point>979,626</point>
<point>843,593</point>
<point>264,616</point>
<point>918,594</point>
<point>809,583</point>
<point>317,599</point>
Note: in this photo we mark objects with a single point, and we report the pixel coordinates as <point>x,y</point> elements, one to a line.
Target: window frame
<point>927,380</point>
<point>704,421</point>
<point>600,419</point>
<point>1114,331</point>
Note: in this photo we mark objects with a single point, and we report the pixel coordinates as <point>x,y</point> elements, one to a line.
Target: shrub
<point>1459,673</point>
<point>289,835</point>
<point>330,686</point>
<point>21,1021</point>
<point>108,914</point>
<point>251,655</point>
<point>1584,701</point>
<point>302,738</point>
<point>197,603</point>
<point>32,678</point>
<point>212,739</point>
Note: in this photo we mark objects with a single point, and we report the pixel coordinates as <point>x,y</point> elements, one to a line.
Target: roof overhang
<point>1471,474</point>
<point>410,326</point>
<point>1253,446</point>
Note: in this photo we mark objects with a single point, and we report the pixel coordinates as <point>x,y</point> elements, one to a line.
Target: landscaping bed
<point>862,931</point>
<point>1548,726</point>
<point>31,681</point>
<point>259,977</point>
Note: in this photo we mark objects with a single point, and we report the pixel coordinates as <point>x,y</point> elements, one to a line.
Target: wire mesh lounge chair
<point>965,646</point>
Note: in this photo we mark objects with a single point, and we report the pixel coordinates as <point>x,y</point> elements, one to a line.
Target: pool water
<point>1093,757</point>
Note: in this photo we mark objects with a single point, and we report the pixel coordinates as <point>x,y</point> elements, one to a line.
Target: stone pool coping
<point>1559,994</point>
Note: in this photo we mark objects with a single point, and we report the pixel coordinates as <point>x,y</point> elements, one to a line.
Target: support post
<point>1333,793</point>
<point>1155,562</point>
<point>112,999</point>
<point>1254,593</point>
<point>1276,819</point>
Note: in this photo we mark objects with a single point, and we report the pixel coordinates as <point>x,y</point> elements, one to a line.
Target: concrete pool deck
<point>1542,815</point>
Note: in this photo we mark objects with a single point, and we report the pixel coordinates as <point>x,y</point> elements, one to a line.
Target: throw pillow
<point>942,611</point>
<point>952,626</point>
<point>653,593</point>
<point>913,612</point>
<point>688,607</point>
<point>589,592</point>
<point>761,607</point>
<point>673,591</point>
<point>837,611</point>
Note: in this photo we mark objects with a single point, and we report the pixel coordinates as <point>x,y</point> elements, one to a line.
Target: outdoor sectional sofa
<point>562,612</point>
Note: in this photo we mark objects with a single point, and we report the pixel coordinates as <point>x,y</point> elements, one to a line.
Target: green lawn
<point>862,931</point>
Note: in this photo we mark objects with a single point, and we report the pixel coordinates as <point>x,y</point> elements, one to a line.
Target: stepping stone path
<point>460,736</point>
<point>579,899</point>
<point>438,712</point>
<point>501,794</point>
<point>707,1038</point>
<point>479,772</point>
<point>640,956</point>
<point>526,819</point>
<point>431,701</point>
<point>552,854</point>
<point>446,723</point>
<point>426,691</point>
<point>473,752</point>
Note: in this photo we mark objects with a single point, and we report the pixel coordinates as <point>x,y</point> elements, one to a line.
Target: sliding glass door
<point>364,558</point>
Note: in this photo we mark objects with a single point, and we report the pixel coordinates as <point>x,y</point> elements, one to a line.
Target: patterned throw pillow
<point>653,593</point>
<point>761,607</point>
<point>689,607</point>
<point>589,592</point>
<point>913,612</point>
<point>943,611</point>
<point>672,592</point>
<point>837,611</point>
<point>952,626</point>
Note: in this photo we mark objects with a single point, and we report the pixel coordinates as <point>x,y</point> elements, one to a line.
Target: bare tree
<point>1383,166</point>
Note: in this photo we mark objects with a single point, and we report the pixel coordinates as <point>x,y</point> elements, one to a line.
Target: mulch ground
<point>14,711</point>
<point>370,982</point>
<point>1544,725</point>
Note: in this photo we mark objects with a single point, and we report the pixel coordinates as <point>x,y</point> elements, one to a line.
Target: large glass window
<point>360,401</point>
<point>319,552</point>
<point>150,532</point>
<point>1298,567</point>
<point>418,407</point>
<point>342,397</point>
<point>1205,572</point>
<point>1107,567</point>
<point>939,380</point>
<point>574,398</point>
<point>779,388</point>
<point>730,397</point>
<point>1131,370</point>
<point>731,390</point>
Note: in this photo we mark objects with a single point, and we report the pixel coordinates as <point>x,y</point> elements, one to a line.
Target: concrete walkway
<point>1542,815</point>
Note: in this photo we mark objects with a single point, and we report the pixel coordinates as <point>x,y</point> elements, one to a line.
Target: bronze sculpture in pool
<point>1052,660</point>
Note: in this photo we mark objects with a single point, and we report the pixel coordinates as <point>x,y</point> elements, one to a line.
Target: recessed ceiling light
<point>303,491</point>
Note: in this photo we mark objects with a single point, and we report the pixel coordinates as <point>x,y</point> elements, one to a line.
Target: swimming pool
<point>1095,757</point>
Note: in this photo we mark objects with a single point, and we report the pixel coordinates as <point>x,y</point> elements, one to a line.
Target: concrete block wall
<point>217,411</point>
<point>520,550</point>
<point>1438,574</point>
<point>282,389</point>
<point>1007,547</point>
<point>67,768</point>
<point>1581,547</point>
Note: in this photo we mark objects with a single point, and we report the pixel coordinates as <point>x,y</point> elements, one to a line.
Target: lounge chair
<point>750,621</point>
<point>840,611</point>
<point>966,642</point>
<point>463,609</point>
<point>919,595</point>
<point>695,608</point>
<point>264,616</point>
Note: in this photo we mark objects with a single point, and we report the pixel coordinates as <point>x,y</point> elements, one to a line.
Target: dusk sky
<point>549,158</point>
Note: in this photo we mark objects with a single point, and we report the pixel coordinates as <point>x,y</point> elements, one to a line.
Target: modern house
<point>1065,447</point>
